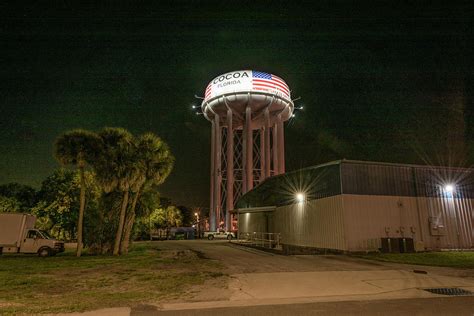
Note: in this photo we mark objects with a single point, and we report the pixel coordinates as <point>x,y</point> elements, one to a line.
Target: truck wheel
<point>210,237</point>
<point>44,252</point>
<point>229,237</point>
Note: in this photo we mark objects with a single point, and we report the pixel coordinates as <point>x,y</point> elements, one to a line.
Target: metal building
<point>353,206</point>
<point>247,109</point>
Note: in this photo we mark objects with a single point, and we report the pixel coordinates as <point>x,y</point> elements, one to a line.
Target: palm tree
<point>117,170</point>
<point>173,218</point>
<point>78,148</point>
<point>155,162</point>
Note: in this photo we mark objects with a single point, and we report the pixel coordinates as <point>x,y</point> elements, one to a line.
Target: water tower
<point>247,110</point>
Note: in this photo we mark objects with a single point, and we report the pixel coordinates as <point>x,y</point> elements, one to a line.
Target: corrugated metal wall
<point>447,222</point>
<point>380,197</point>
<point>317,223</point>
<point>431,181</point>
<point>254,222</point>
<point>371,178</point>
<point>374,179</point>
<point>368,218</point>
<point>316,182</point>
<point>439,223</point>
<point>378,200</point>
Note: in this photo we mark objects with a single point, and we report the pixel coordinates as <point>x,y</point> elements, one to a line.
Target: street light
<point>198,224</point>
<point>300,197</point>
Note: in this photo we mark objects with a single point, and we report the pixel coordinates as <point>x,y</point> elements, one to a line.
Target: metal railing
<point>260,239</point>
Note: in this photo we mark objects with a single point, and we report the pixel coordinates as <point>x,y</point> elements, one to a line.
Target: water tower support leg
<point>243,159</point>
<point>230,171</point>
<point>267,143</point>
<point>281,146</point>
<point>212,219</point>
<point>262,155</point>
<point>248,151</point>
<point>217,172</point>
<point>248,119</point>
<point>276,167</point>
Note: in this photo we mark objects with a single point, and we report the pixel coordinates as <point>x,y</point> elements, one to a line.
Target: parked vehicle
<point>18,235</point>
<point>178,233</point>
<point>219,235</point>
<point>181,233</point>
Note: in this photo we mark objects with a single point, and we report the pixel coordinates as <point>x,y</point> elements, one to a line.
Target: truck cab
<point>37,241</point>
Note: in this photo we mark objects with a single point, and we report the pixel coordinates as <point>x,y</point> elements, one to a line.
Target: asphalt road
<point>240,259</point>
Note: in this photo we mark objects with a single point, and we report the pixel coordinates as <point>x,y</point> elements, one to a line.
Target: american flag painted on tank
<point>207,94</point>
<point>266,81</point>
<point>246,81</point>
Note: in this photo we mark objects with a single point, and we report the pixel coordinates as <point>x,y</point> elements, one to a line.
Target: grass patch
<point>440,259</point>
<point>64,283</point>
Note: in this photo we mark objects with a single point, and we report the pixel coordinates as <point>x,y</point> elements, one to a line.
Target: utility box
<point>437,230</point>
<point>397,245</point>
<point>419,246</point>
<point>390,245</point>
<point>406,245</point>
<point>436,227</point>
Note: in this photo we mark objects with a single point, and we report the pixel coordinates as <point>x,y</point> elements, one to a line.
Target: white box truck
<point>18,235</point>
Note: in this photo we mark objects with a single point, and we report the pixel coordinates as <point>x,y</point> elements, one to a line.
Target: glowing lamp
<point>300,197</point>
<point>449,188</point>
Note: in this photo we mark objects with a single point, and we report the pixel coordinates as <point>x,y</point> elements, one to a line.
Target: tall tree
<point>57,210</point>
<point>78,148</point>
<point>148,202</point>
<point>24,194</point>
<point>117,169</point>
<point>155,162</point>
<point>9,205</point>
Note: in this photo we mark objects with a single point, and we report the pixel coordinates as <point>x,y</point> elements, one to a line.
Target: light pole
<point>198,224</point>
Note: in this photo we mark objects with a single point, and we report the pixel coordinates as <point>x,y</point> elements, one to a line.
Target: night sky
<point>383,82</point>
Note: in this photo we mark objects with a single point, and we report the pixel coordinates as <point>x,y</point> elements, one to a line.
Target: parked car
<point>219,235</point>
<point>181,233</point>
<point>18,235</point>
